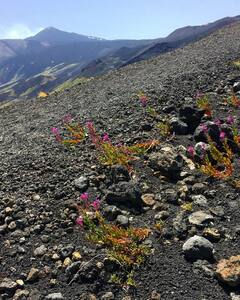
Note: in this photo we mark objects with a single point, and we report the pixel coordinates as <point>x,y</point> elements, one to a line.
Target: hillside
<point>40,180</point>
<point>22,61</point>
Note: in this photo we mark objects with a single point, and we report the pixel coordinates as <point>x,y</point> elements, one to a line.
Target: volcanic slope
<point>37,175</point>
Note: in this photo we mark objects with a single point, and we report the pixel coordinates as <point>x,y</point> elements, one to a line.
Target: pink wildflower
<point>191,150</point>
<point>143,100</point>
<point>89,124</point>
<point>67,119</point>
<point>199,95</point>
<point>230,120</point>
<point>106,138</point>
<point>96,204</point>
<point>84,197</point>
<point>56,132</point>
<point>79,221</point>
<point>222,135</point>
<point>217,122</point>
<point>204,128</point>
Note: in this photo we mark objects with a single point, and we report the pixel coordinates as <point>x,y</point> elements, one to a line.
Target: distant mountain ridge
<point>53,56</point>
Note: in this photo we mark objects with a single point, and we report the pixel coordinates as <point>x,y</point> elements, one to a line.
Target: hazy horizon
<point>138,19</point>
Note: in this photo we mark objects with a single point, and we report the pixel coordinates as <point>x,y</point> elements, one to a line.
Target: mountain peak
<point>53,35</point>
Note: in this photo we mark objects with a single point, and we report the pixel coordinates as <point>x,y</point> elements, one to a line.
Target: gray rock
<point>235,296</point>
<point>168,161</point>
<point>33,275</point>
<point>122,220</point>
<point>200,218</point>
<point>111,212</point>
<point>21,295</point>
<point>191,116</point>
<point>199,200</point>
<point>66,251</point>
<point>197,247</point>
<point>178,126</point>
<point>124,193</point>
<point>162,215</point>
<point>54,296</point>
<point>81,183</point>
<point>108,296</point>
<point>8,286</point>
<point>73,268</point>
<point>236,87</point>
<point>119,173</point>
<point>40,251</point>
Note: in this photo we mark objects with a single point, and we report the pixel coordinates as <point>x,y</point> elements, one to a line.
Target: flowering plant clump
<point>72,134</point>
<point>202,101</point>
<point>165,129</point>
<point>215,162</point>
<point>232,100</point>
<point>124,245</point>
<point>111,154</point>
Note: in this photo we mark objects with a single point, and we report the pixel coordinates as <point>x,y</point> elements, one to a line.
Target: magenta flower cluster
<point>88,206</point>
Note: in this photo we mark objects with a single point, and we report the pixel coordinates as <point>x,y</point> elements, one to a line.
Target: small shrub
<point>232,100</point>
<point>111,154</point>
<point>124,245</point>
<point>165,129</point>
<point>202,101</point>
<point>72,134</point>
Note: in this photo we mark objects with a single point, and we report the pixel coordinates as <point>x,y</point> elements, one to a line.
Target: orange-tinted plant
<point>124,245</point>
<point>72,134</point>
<point>111,154</point>
<point>216,163</point>
<point>232,100</point>
<point>204,104</point>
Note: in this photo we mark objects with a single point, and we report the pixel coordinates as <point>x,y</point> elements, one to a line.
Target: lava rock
<point>119,173</point>
<point>55,296</point>
<point>8,286</point>
<point>124,193</point>
<point>197,247</point>
<point>81,183</point>
<point>178,126</point>
<point>228,271</point>
<point>191,116</point>
<point>167,161</point>
<point>200,218</point>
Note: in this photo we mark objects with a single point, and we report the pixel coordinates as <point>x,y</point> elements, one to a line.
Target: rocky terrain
<point>42,249</point>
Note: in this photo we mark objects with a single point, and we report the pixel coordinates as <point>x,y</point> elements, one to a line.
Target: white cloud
<point>17,31</point>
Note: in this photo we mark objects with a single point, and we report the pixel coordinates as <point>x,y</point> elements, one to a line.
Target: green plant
<point>119,154</point>
<point>124,245</point>
<point>72,134</point>
<point>165,129</point>
<point>202,101</point>
<point>232,100</point>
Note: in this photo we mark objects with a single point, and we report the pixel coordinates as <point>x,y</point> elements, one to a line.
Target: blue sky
<point>110,19</point>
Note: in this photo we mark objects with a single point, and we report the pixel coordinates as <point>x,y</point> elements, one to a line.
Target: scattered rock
<point>81,183</point>
<point>21,294</point>
<point>55,296</point>
<point>108,296</point>
<point>33,275</point>
<point>200,218</point>
<point>198,247</point>
<point>124,193</point>
<point>8,286</point>
<point>122,220</point>
<point>148,199</point>
<point>228,271</point>
<point>212,234</point>
<point>40,251</point>
<point>119,173</point>
<point>167,161</point>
